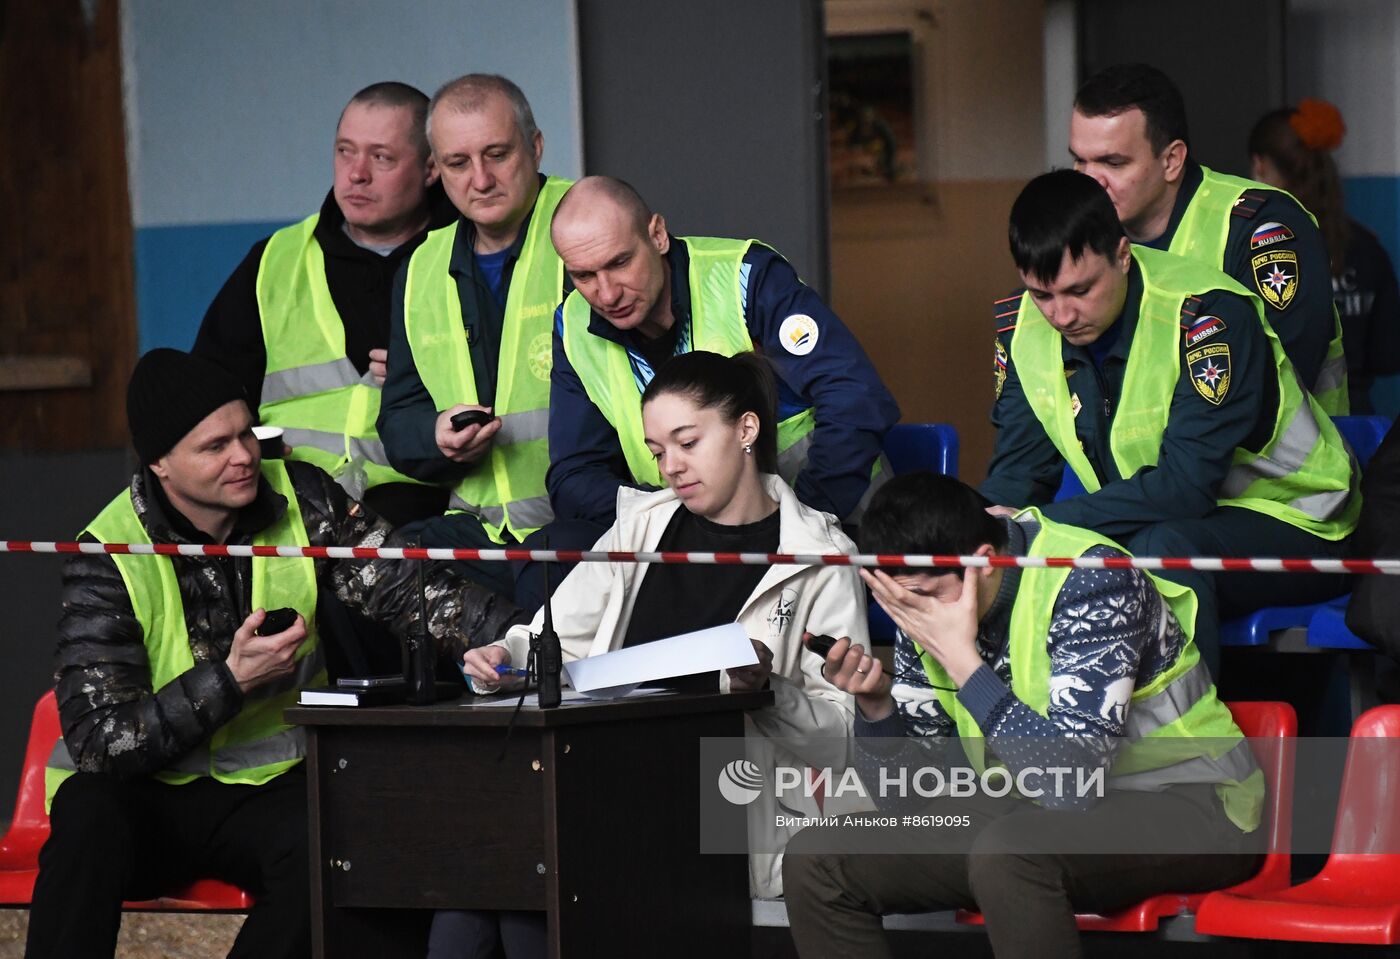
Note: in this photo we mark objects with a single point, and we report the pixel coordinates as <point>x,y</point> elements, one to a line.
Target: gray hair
<point>469,93</point>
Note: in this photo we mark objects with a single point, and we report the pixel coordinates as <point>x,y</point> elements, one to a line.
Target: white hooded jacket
<point>593,607</point>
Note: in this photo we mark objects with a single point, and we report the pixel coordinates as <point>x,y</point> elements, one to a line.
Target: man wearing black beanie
<point>175,762</point>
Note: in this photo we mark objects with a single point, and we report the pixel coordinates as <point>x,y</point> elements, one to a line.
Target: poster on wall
<point>872,114</point>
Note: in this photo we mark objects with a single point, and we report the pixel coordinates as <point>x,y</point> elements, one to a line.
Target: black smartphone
<point>462,420</point>
<point>276,621</point>
<point>821,645</point>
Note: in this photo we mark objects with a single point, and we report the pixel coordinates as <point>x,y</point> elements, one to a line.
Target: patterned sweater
<point>1110,631</point>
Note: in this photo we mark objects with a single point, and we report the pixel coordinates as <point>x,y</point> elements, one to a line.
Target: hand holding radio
<point>464,433</point>
<point>265,646</point>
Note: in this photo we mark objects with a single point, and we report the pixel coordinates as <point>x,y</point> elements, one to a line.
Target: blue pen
<point>504,670</point>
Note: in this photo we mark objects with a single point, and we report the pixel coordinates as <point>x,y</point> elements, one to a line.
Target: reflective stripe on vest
<point>716,326</point>
<point>506,490</point>
<point>1305,476</point>
<point>256,745</point>
<point>1175,728</point>
<point>1203,234</point>
<point>310,389</point>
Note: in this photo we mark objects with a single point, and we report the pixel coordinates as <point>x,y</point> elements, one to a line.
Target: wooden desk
<point>591,814</point>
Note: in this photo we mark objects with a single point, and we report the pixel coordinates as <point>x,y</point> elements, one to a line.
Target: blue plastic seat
<point>1324,622</point>
<point>1328,629</point>
<point>923,446</point>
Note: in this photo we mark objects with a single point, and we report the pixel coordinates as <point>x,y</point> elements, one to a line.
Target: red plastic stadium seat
<point>19,849</point>
<point>1356,897</point>
<point>1271,729</point>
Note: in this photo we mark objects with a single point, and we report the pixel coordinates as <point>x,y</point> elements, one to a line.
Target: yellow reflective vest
<point>326,409</point>
<point>256,745</point>
<point>505,490</point>
<point>1202,235</point>
<point>1176,728</point>
<point>716,326</point>
<point>1304,476</point>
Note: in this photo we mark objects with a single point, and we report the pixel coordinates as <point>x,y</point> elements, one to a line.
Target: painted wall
<point>914,271</point>
<point>231,109</point>
<point>1349,53</point>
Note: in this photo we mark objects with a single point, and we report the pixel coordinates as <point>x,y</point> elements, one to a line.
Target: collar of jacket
<point>462,263</point>
<point>1132,305</point>
<point>1191,178</point>
<point>1019,534</point>
<point>330,229</point>
<point>165,524</point>
<point>678,262</point>
<point>801,529</point>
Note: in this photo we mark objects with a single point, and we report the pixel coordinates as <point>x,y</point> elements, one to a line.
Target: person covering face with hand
<point>1034,669</point>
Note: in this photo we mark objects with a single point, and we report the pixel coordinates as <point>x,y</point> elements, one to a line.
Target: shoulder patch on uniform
<point>1210,371</point>
<point>1204,328</point>
<point>1276,276</point>
<point>1249,203</point>
<point>1267,234</point>
<point>1006,311</point>
<point>999,366</point>
<point>798,334</point>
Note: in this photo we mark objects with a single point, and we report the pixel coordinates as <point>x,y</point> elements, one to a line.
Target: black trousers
<point>1231,531</point>
<point>1010,862</point>
<point>115,840</point>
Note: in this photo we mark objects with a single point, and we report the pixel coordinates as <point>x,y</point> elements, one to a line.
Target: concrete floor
<point>144,935</point>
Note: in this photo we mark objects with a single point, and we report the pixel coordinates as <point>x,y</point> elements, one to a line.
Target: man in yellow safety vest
<point>1128,131</point>
<point>466,401</point>
<point>175,762</point>
<point>1155,379</point>
<point>304,320</point>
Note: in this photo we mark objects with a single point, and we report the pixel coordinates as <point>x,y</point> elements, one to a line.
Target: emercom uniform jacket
<point>114,722</point>
<point>1213,413</point>
<point>1272,240</point>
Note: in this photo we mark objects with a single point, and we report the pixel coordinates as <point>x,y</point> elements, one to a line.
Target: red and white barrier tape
<point>1386,567</point>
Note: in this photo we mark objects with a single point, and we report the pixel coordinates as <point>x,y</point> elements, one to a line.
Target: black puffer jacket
<point>114,722</point>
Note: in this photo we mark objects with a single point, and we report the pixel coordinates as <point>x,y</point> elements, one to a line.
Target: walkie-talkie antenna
<point>420,665</point>
<point>550,661</point>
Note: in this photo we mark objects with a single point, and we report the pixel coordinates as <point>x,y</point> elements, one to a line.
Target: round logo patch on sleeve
<point>798,334</point>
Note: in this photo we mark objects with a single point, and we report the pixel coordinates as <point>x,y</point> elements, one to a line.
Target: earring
<point>748,448</point>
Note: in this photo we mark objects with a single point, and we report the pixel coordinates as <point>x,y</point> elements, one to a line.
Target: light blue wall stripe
<point>178,271</point>
<point>1374,201</point>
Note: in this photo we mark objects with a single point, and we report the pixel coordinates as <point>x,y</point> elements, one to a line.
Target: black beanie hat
<point>169,393</point>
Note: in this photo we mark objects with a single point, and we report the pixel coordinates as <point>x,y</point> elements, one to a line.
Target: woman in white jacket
<point>710,421</point>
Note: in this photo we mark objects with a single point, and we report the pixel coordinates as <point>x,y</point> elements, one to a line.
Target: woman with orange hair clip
<point>1292,149</point>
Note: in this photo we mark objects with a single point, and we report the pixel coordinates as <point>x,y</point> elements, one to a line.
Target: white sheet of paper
<point>703,651</point>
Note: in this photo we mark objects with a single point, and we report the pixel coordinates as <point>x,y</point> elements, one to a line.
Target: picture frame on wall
<point>872,111</point>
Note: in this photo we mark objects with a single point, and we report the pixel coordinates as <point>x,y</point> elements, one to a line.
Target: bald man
<point>642,296</point>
